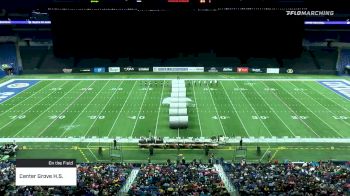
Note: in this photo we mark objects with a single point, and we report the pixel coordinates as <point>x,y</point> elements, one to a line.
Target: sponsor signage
<point>212,69</point>
<point>46,172</point>
<point>256,70</point>
<point>99,70</point>
<point>273,70</point>
<point>143,69</point>
<point>178,69</point>
<point>65,70</point>
<point>11,89</point>
<point>85,70</point>
<point>290,71</point>
<point>339,87</point>
<point>113,69</point>
<point>129,68</point>
<point>242,69</point>
<point>227,69</point>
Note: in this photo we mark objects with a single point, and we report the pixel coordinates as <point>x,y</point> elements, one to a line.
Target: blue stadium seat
<point>8,55</point>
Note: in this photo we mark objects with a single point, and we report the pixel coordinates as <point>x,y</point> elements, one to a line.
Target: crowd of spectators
<point>314,178</point>
<point>195,179</point>
<point>181,178</point>
<point>92,179</point>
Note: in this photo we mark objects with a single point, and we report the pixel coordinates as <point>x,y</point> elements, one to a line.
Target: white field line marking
<point>126,100</point>
<point>160,104</point>
<point>253,109</point>
<point>138,115</point>
<point>310,110</point>
<point>292,111</point>
<point>274,111</point>
<point>19,92</point>
<point>325,96</point>
<point>85,107</point>
<point>234,108</point>
<point>93,154</point>
<point>320,104</point>
<point>76,99</point>
<point>8,82</point>
<point>30,108</point>
<point>346,81</point>
<point>264,154</point>
<point>44,87</point>
<point>47,109</point>
<point>104,107</point>
<point>169,79</point>
<point>195,100</point>
<point>216,110</point>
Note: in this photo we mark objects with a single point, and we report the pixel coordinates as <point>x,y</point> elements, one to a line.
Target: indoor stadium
<point>174,97</point>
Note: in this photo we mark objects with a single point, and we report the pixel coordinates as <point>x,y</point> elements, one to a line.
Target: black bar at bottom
<point>45,163</point>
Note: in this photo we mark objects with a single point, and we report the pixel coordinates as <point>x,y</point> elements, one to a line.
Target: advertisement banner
<point>257,70</point>
<point>227,69</point>
<point>242,69</point>
<point>213,69</point>
<point>128,69</point>
<point>113,69</point>
<point>85,70</point>
<point>178,69</point>
<point>273,70</point>
<point>143,69</point>
<point>290,71</point>
<point>99,69</point>
<point>65,70</point>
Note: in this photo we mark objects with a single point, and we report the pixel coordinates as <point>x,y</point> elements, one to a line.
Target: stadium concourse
<point>195,178</point>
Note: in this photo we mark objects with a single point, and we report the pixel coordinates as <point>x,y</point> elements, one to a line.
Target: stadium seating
<point>196,178</point>
<point>8,55</point>
<point>92,179</point>
<point>344,60</point>
<point>312,178</point>
<point>181,179</point>
<point>320,36</point>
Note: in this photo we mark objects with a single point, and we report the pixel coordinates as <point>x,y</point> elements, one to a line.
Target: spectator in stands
<point>92,179</point>
<point>178,179</point>
<point>289,179</point>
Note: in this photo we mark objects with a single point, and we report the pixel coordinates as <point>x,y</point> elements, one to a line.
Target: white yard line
<point>274,111</point>
<point>93,154</point>
<point>234,108</point>
<point>37,103</point>
<point>160,104</point>
<point>126,100</point>
<point>76,99</point>
<point>195,100</point>
<point>326,96</point>
<point>81,112</point>
<point>265,153</point>
<point>138,115</point>
<point>104,107</point>
<point>254,110</point>
<point>320,104</point>
<point>47,109</point>
<point>290,109</point>
<point>310,110</point>
<point>43,88</point>
<point>216,110</point>
<point>8,82</point>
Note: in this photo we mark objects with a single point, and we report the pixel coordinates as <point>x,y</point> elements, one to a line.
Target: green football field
<point>135,107</point>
